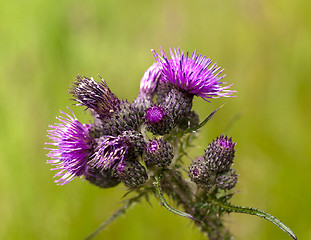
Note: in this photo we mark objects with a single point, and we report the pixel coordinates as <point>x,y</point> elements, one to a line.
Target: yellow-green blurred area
<point>264,47</point>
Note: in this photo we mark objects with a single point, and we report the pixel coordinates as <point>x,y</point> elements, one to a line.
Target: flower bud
<point>101,178</point>
<point>148,84</point>
<point>132,173</point>
<point>158,121</point>
<point>135,142</point>
<point>227,180</point>
<point>158,152</point>
<point>198,172</point>
<point>219,154</point>
<point>95,96</point>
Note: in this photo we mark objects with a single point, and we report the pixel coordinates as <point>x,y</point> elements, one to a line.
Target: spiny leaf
<point>194,129</point>
<point>254,211</point>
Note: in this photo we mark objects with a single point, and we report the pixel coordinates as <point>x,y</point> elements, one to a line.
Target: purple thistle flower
<point>148,84</point>
<point>110,151</point>
<point>149,81</point>
<point>95,96</point>
<point>73,145</point>
<point>158,121</point>
<point>225,142</point>
<point>155,114</point>
<point>194,75</point>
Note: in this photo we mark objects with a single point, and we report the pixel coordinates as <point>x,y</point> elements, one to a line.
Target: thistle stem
<point>159,194</point>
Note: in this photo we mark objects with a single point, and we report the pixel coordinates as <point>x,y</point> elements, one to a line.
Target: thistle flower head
<point>101,178</point>
<point>73,145</point>
<point>110,151</point>
<point>132,173</point>
<point>113,150</point>
<point>194,75</point>
<point>226,180</point>
<point>158,152</point>
<point>95,96</point>
<point>158,121</point>
<point>219,154</point>
<point>155,114</point>
<point>149,81</point>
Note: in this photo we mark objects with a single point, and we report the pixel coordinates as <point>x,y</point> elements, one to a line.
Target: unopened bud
<point>198,172</point>
<point>158,152</point>
<point>101,178</point>
<point>227,180</point>
<point>219,154</point>
<point>158,120</point>
<point>132,173</point>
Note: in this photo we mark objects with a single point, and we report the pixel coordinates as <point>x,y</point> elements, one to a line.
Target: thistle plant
<point>143,144</point>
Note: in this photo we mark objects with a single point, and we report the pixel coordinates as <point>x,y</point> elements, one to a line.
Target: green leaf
<point>254,211</point>
<point>194,129</point>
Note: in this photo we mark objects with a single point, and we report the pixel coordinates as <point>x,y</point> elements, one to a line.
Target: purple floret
<point>155,114</point>
<point>194,75</point>
<point>225,142</point>
<point>73,145</point>
<point>110,152</point>
<point>153,146</point>
<point>149,81</point>
<point>95,96</point>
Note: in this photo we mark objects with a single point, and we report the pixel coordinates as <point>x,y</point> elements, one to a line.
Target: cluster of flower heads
<point>214,168</point>
<point>116,147</point>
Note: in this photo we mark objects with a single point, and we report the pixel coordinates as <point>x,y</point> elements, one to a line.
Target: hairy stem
<point>160,196</point>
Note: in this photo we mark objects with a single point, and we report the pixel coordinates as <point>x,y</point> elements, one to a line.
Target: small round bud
<point>132,173</point>
<point>227,180</point>
<point>158,152</point>
<point>198,172</point>
<point>158,121</point>
<point>219,154</point>
<point>101,178</point>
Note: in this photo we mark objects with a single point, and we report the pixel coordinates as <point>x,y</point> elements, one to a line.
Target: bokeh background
<point>263,45</point>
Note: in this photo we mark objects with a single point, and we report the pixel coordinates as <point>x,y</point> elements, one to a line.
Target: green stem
<point>254,211</point>
<point>159,194</point>
<point>116,214</point>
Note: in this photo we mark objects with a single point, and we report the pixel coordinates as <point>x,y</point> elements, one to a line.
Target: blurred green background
<point>265,49</point>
